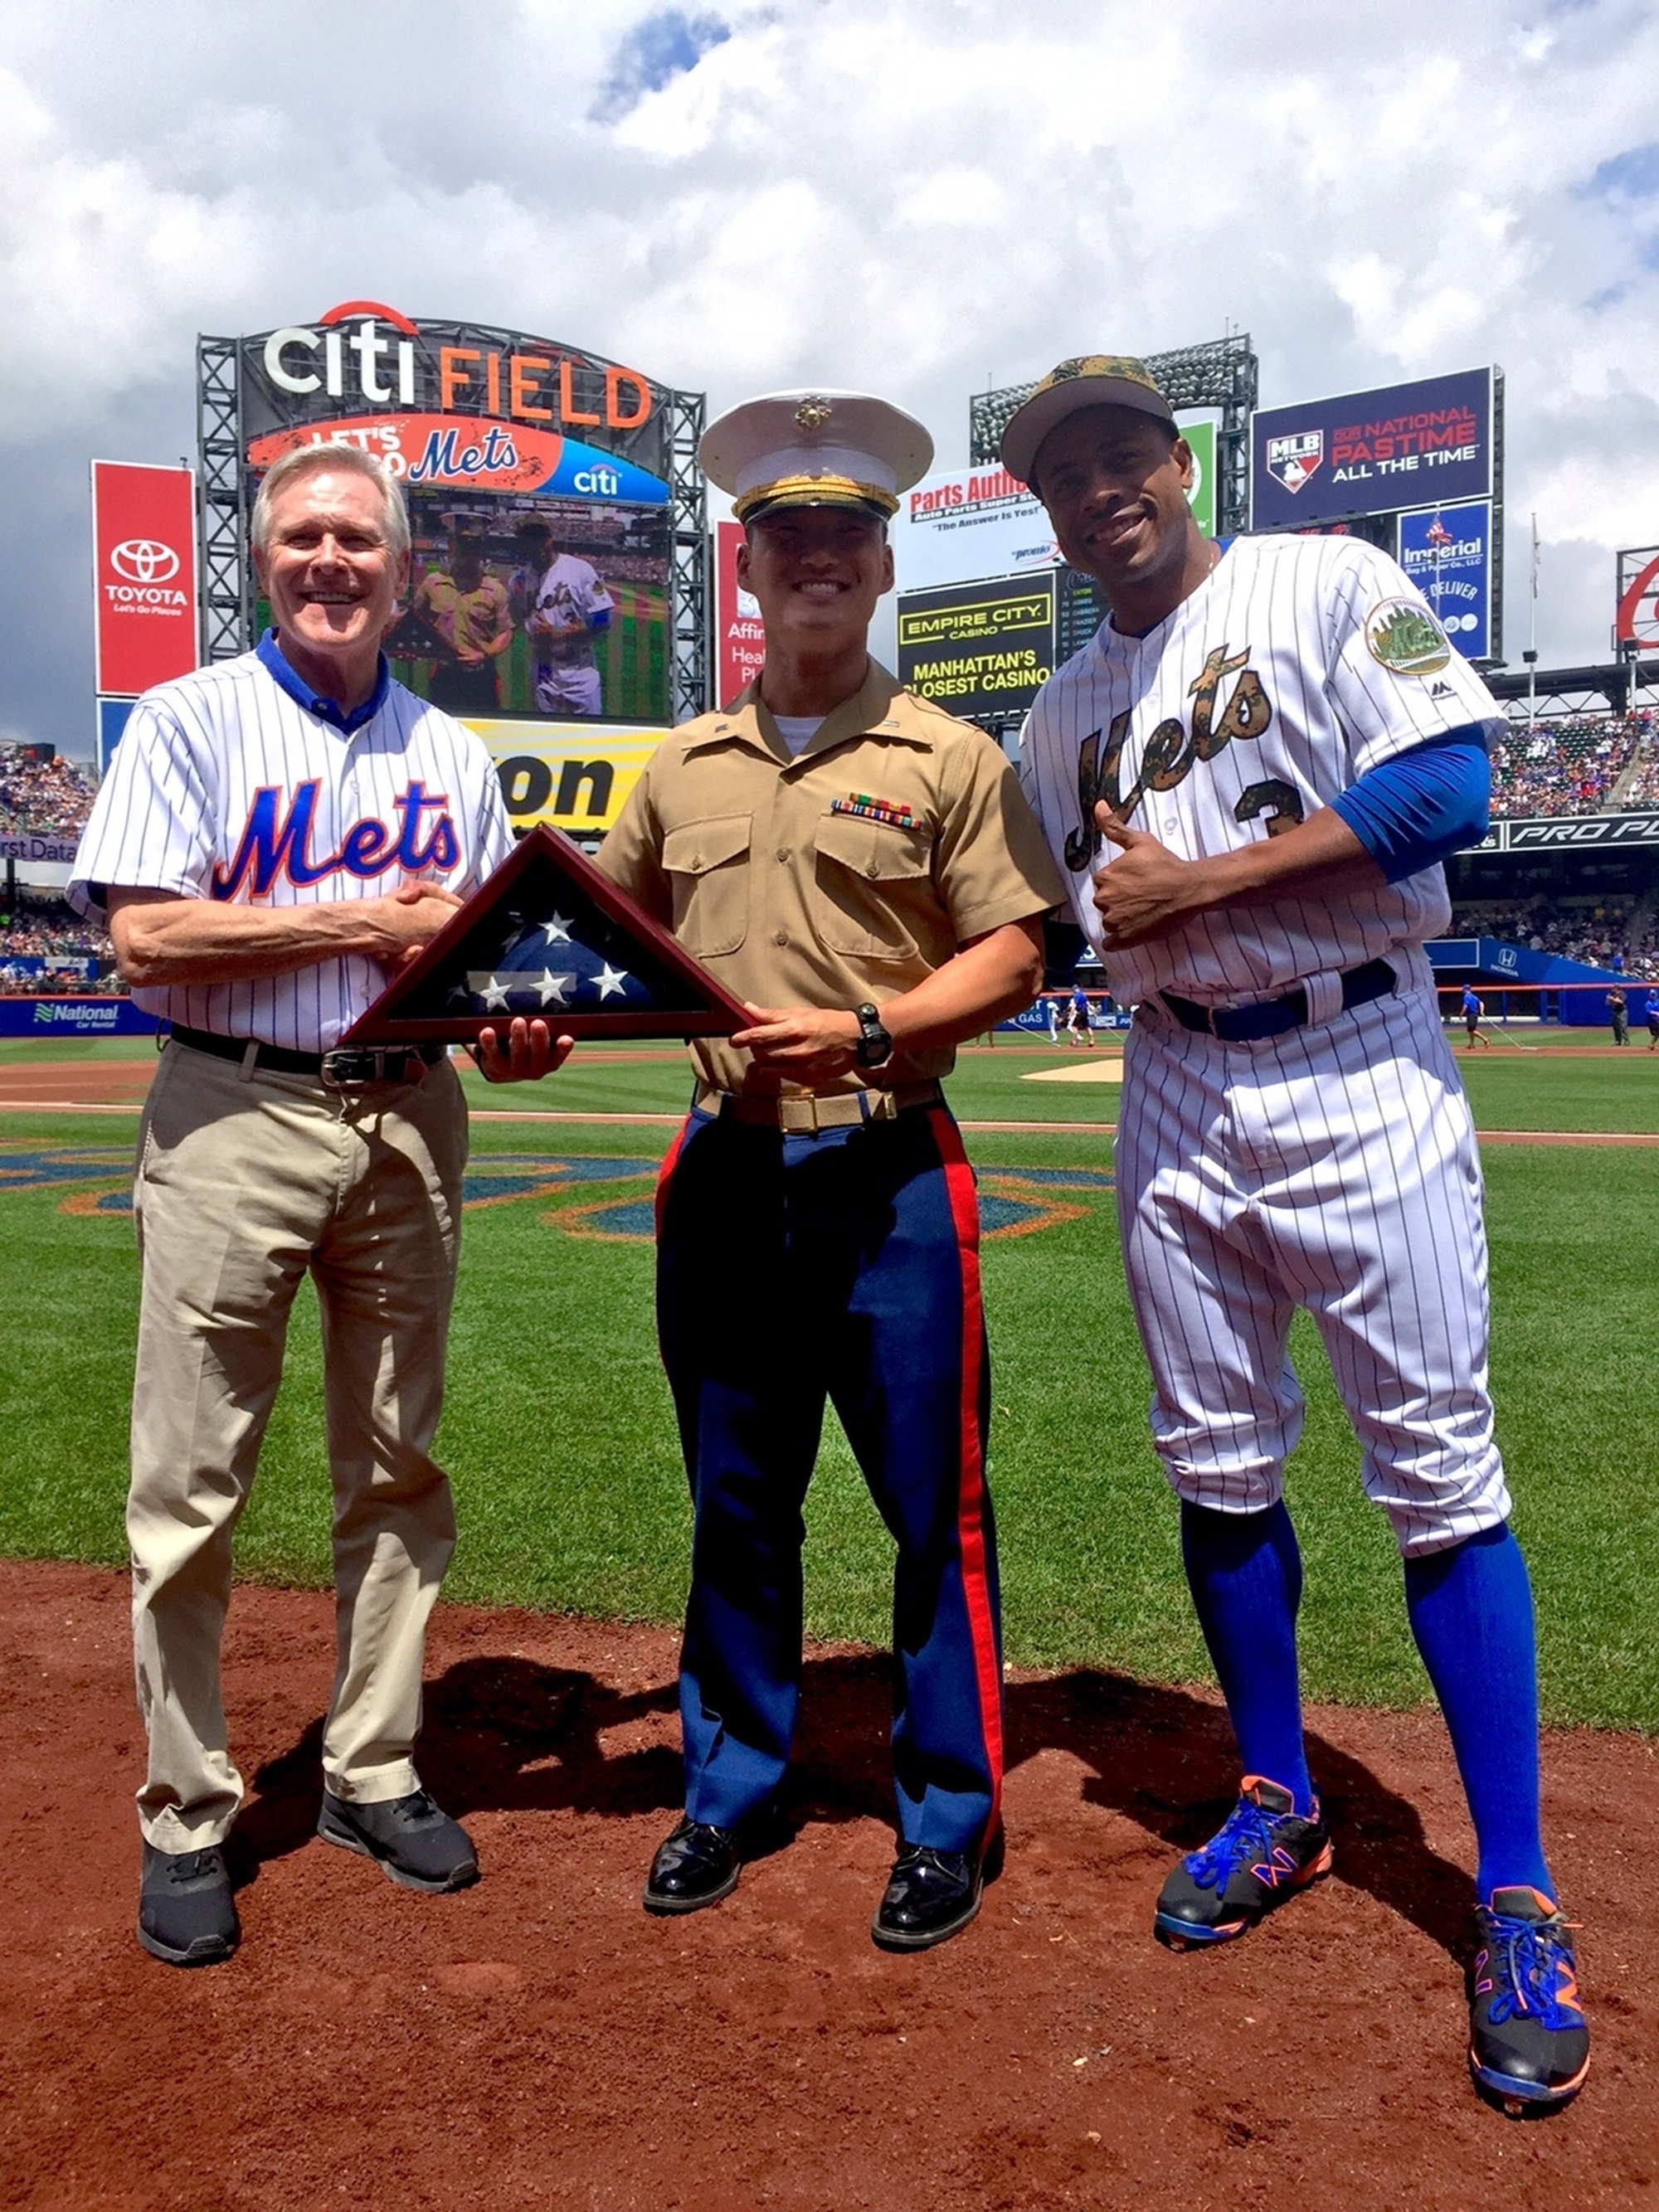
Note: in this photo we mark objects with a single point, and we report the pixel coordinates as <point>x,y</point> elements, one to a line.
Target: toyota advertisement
<point>144,538</point>
<point>538,478</point>
<point>1373,453</point>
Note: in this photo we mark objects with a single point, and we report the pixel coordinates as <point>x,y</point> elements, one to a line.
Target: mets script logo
<point>1172,752</point>
<point>143,560</point>
<point>274,843</point>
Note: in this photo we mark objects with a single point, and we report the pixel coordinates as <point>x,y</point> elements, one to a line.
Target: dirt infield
<point>539,2042</point>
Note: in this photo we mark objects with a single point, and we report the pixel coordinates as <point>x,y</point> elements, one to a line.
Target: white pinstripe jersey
<point>225,786</point>
<point>1299,664</point>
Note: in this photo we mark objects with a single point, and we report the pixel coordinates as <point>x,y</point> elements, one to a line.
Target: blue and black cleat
<point>1264,1853</point>
<point>1528,2040</point>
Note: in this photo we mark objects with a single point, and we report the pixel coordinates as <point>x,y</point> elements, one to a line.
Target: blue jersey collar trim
<point>270,653</point>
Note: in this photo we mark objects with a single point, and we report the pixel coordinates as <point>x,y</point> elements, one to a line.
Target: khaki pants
<point>243,1183</point>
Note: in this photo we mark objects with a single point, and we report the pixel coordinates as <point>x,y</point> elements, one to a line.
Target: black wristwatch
<point>875,1047</point>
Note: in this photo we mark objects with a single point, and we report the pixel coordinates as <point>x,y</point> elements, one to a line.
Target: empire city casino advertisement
<point>538,606</point>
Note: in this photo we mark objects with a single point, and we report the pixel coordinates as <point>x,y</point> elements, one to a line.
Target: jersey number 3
<point>1172,752</point>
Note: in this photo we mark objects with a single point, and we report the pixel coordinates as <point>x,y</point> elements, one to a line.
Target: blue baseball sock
<point>1244,1571</point>
<point>1471,1613</point>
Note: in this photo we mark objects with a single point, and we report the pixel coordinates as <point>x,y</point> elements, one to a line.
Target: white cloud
<point>905,198</point>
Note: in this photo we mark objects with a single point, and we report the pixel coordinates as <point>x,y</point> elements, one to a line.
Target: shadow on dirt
<point>506,1734</point>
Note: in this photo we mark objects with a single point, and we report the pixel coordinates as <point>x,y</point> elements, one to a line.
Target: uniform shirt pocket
<point>874,886</point>
<point>707,864</point>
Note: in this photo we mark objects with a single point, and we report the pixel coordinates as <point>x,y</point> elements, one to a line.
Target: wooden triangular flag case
<point>549,937</point>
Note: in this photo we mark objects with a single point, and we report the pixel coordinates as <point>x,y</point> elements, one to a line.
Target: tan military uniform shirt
<point>848,873</point>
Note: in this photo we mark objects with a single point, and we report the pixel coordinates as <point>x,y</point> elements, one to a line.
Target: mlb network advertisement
<point>1447,553</point>
<point>539,503</point>
<point>1373,453</point>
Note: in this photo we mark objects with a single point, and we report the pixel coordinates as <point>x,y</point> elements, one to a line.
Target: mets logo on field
<point>1406,638</point>
<point>1293,458</point>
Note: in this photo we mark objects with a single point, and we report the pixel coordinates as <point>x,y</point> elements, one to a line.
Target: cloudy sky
<point>912,195</point>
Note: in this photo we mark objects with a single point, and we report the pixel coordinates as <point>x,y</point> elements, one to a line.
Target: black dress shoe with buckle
<point>409,1838</point>
<point>187,1914</point>
<point>698,1864</point>
<point>929,1896</point>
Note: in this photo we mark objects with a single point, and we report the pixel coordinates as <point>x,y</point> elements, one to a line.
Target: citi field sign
<point>541,483</point>
<point>455,406</point>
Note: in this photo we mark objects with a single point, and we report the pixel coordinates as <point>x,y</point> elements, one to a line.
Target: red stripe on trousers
<point>665,1177</point>
<point>665,1172</point>
<point>970,1510</point>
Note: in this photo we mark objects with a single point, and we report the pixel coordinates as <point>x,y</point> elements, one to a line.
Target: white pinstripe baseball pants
<point>1335,1169</point>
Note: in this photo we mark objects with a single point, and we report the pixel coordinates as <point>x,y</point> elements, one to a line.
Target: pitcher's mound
<point>1092,1070</point>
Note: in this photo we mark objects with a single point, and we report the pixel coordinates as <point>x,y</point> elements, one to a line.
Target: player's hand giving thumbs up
<point>1146,889</point>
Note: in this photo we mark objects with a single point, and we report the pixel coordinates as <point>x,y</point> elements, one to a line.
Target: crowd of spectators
<point>38,927</point>
<point>1567,764</point>
<point>42,797</point>
<point>1643,788</point>
<point>1611,931</point>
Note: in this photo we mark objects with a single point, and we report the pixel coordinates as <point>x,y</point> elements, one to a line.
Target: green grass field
<point>559,1436</point>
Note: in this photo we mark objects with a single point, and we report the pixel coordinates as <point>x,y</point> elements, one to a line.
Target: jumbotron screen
<point>538,477</point>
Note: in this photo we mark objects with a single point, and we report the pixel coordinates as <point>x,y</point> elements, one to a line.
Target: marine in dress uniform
<point>860,869</point>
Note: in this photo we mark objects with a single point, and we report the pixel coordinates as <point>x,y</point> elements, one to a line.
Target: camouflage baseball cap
<point>1093,379</point>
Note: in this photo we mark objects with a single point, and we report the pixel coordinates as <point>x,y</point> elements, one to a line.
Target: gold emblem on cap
<point>813,414</point>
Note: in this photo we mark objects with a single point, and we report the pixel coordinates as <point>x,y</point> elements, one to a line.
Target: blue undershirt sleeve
<point>1414,809</point>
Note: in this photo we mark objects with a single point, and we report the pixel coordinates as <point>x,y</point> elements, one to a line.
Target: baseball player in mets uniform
<point>565,605</point>
<point>1250,777</point>
<point>861,870</point>
<point>277,834</point>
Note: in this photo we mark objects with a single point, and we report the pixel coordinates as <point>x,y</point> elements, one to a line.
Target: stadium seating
<point>1568,764</point>
<point>41,927</point>
<point>46,797</point>
<point>1610,931</point>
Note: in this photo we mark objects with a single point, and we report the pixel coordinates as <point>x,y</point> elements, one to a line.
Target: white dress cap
<point>822,448</point>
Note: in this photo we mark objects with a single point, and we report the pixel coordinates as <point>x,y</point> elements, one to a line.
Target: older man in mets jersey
<point>1250,777</point>
<point>276,837</point>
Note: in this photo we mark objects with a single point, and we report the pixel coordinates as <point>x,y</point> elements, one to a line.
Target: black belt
<point>338,1070</point>
<point>1270,1017</point>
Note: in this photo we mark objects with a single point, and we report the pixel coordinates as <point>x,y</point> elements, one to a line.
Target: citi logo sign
<point>365,349</point>
<point>144,561</point>
<point>291,353</point>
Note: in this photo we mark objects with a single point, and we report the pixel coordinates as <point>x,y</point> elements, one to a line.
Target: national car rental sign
<point>143,537</point>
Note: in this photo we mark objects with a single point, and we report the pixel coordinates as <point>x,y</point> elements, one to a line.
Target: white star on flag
<point>610,981</point>
<point>552,986</point>
<point>556,930</point>
<point>494,995</point>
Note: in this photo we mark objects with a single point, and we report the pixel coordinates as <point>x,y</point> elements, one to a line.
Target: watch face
<point>875,1046</point>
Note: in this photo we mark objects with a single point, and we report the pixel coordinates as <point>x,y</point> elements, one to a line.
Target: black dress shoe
<point>929,1896</point>
<point>410,1840</point>
<point>697,1865</point>
<point>187,1914</point>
